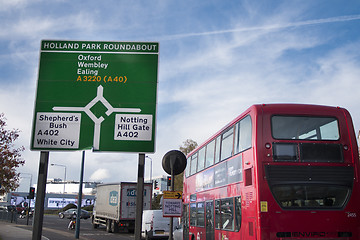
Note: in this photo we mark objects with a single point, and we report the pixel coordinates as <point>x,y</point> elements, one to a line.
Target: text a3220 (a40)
<point>106,79</point>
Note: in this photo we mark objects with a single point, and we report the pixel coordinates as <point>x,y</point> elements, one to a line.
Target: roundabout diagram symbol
<point>97,121</point>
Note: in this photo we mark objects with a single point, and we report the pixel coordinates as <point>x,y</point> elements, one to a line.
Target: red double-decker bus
<point>278,171</point>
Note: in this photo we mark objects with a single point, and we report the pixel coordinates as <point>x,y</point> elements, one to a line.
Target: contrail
<point>266,27</point>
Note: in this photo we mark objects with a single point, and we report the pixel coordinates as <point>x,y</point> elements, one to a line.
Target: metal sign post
<point>40,196</point>
<point>174,162</point>
<point>139,196</point>
<point>78,215</point>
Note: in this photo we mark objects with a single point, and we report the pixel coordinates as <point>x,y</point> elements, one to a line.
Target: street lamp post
<point>28,207</point>
<point>60,165</point>
<point>150,168</point>
<point>30,177</point>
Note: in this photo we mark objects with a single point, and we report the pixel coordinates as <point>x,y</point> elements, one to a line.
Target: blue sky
<point>216,59</point>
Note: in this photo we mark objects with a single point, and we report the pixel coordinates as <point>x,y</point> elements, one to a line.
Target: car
<point>178,233</point>
<point>8,208</point>
<point>72,212</point>
<point>155,226</point>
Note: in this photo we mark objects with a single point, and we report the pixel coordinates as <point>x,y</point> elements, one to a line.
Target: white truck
<point>115,205</point>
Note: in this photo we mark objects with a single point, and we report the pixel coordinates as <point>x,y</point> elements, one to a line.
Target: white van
<point>155,226</point>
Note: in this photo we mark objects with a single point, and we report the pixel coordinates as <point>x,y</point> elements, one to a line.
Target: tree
<point>186,148</point>
<point>10,157</point>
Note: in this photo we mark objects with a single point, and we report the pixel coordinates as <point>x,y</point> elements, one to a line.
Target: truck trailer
<point>115,205</point>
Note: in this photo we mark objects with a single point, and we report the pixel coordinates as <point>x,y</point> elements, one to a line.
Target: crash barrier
<point>9,216</point>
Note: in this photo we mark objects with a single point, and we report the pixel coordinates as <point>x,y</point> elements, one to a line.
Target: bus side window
<point>185,217</point>
<point>237,213</point>
<point>210,151</point>
<point>201,159</point>
<point>217,215</point>
<point>185,220</point>
<point>242,135</point>
<point>227,143</point>
<point>193,164</point>
<point>192,214</point>
<point>187,169</point>
<point>227,214</point>
<point>236,138</point>
<point>217,149</point>
<point>245,134</point>
<point>200,214</point>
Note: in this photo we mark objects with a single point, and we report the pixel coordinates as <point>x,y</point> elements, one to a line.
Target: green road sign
<point>99,95</point>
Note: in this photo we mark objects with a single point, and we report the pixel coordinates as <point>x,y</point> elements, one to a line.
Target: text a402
<point>51,132</point>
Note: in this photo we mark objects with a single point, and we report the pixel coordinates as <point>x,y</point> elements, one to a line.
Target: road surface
<point>55,228</point>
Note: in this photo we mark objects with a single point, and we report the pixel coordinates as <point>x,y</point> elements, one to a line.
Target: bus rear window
<point>314,196</point>
<point>305,128</point>
<point>310,187</point>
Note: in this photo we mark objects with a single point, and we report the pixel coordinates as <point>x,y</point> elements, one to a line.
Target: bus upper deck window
<point>187,169</point>
<point>210,150</point>
<point>193,164</point>
<point>304,127</point>
<point>245,134</point>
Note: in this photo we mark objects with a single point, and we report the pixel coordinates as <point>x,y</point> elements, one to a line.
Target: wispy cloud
<point>265,27</point>
<point>99,175</point>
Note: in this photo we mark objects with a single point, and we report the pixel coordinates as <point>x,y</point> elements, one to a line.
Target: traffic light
<point>155,185</point>
<point>31,193</point>
<point>169,180</point>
